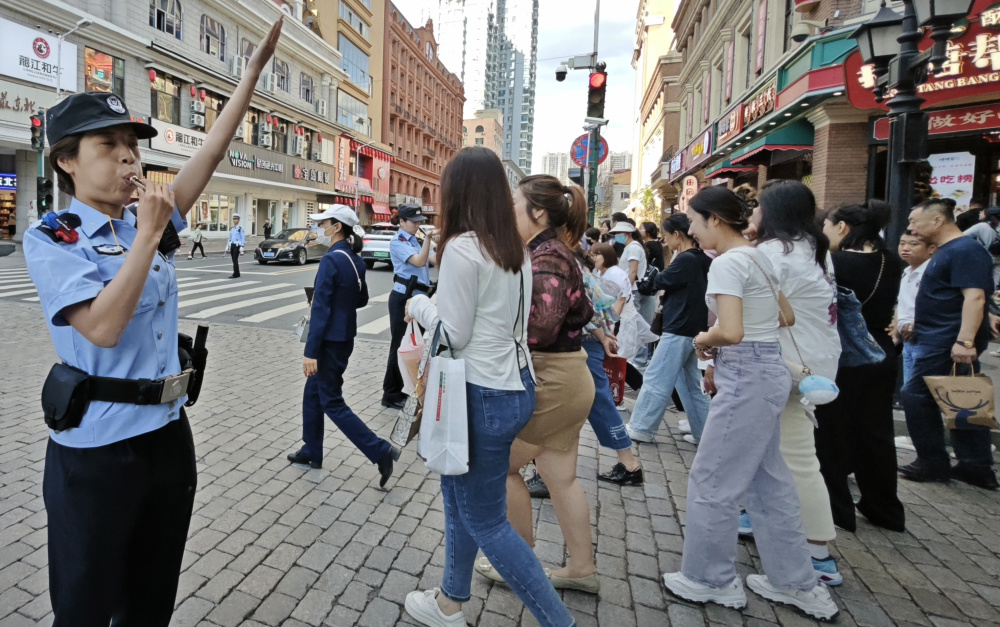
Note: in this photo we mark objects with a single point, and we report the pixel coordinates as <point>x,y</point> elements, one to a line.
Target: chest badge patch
<point>109,249</point>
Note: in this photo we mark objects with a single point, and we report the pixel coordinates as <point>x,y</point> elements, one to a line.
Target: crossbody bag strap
<point>777,299</point>
<point>353,267</point>
<point>877,281</point>
<point>519,318</point>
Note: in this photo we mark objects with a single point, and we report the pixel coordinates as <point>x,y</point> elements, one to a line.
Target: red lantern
<point>319,137</point>
<point>152,76</point>
<point>203,95</point>
<point>193,91</point>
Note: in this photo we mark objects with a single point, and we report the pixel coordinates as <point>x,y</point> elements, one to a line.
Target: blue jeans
<point>324,394</point>
<point>674,365</point>
<point>908,360</point>
<point>923,417</point>
<point>604,417</point>
<point>740,461</point>
<point>475,507</point>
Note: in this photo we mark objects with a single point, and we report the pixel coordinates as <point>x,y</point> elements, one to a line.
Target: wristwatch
<point>966,344</point>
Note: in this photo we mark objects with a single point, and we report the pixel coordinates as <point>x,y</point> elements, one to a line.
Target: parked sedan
<point>298,245</point>
<point>377,239</point>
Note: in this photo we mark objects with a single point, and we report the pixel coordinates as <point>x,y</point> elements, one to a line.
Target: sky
<point>566,29</point>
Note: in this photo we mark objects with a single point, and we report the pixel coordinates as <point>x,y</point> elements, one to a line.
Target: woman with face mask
<point>339,291</point>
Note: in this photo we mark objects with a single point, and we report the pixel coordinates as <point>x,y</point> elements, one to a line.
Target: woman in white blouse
<point>483,303</point>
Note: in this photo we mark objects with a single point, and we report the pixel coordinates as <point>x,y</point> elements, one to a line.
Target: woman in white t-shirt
<point>788,235</point>
<point>739,458</point>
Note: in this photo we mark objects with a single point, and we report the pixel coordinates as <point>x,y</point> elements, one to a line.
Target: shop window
<point>282,76</point>
<point>213,107</point>
<point>215,211</point>
<point>104,72</point>
<point>213,38</point>
<point>166,99</point>
<point>165,16</point>
<point>307,88</point>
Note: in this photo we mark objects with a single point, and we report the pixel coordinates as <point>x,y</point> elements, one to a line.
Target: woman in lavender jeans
<point>739,458</point>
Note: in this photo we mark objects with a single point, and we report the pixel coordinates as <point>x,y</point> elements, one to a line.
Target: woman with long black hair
<point>856,433</point>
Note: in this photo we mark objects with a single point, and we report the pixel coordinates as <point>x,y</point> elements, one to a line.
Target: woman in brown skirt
<point>546,211</point>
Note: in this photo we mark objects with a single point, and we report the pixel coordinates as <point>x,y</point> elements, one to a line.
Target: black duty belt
<point>420,287</point>
<point>140,391</point>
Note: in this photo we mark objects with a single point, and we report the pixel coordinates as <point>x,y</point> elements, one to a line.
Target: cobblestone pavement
<point>272,544</point>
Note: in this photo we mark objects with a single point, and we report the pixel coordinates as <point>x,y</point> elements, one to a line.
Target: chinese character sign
<point>30,55</point>
<point>953,176</point>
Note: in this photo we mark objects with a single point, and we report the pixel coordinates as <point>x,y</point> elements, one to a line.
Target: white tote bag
<point>444,428</point>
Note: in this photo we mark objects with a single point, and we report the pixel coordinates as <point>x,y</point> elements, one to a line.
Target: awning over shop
<point>726,169</point>
<point>798,138</point>
<point>372,152</point>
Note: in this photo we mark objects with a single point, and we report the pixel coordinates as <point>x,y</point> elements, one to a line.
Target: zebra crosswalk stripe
<point>10,286</point>
<point>255,290</point>
<point>276,313</point>
<point>17,293</point>
<point>214,288</point>
<point>244,303</point>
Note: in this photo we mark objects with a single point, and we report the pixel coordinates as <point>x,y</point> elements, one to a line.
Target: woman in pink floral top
<point>560,310</point>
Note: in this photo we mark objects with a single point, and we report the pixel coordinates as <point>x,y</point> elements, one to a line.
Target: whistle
<point>135,181</point>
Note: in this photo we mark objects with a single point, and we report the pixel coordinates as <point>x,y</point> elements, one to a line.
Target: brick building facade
<point>422,110</point>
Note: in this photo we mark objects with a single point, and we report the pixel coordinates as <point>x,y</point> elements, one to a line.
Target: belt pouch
<point>65,396</point>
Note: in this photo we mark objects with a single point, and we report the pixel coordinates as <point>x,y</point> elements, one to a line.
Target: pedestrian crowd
<point>777,333</point>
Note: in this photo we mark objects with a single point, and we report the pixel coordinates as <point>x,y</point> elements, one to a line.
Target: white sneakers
<point>816,602</point>
<point>684,426</point>
<point>423,607</point>
<point>732,595</point>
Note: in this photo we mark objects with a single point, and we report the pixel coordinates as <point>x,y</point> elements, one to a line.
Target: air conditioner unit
<point>197,120</point>
<point>317,155</point>
<point>270,81</point>
<point>240,133</point>
<point>197,106</point>
<point>321,107</point>
<point>297,145</point>
<point>265,141</point>
<point>236,66</point>
<point>266,128</point>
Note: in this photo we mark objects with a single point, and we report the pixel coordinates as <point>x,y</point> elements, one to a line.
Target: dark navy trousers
<point>324,395</point>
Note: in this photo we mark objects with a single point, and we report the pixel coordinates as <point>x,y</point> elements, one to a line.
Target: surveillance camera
<point>800,32</point>
<point>561,72</point>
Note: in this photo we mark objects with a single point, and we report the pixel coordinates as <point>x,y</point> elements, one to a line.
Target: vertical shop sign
<point>706,94</point>
<point>689,188</point>
<point>953,175</point>
<point>730,64</point>
<point>690,114</point>
<point>761,34</point>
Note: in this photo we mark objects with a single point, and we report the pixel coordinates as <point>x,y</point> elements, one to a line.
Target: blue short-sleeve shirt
<point>67,274</point>
<point>402,247</point>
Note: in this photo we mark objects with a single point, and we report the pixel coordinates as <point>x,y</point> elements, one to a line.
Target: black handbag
<point>645,285</point>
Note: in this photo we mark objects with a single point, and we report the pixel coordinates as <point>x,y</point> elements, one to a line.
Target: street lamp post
<point>59,40</point>
<point>899,71</point>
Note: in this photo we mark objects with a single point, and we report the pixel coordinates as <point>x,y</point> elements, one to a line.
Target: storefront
<point>255,183</point>
<point>963,106</point>
<point>362,180</point>
<point>8,204</point>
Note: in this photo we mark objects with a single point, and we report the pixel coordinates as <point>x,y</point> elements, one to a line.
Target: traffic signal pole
<point>593,153</point>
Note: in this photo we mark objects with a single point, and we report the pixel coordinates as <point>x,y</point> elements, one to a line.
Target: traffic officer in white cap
<point>338,292</point>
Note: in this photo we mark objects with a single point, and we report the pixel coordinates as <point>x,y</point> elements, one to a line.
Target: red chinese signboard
<point>971,67</point>
<point>760,104</point>
<point>761,33</point>
<point>730,63</point>
<point>706,96</point>
<point>958,120</point>
<point>730,125</point>
<point>698,150</point>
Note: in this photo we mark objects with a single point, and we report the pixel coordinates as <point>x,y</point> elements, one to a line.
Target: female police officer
<point>339,291</point>
<point>410,258</point>
<point>119,485</point>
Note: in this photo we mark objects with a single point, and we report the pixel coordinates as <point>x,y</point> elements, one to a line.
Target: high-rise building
<point>557,164</point>
<point>492,45</point>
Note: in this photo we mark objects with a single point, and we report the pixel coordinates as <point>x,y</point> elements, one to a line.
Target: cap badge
<point>115,104</point>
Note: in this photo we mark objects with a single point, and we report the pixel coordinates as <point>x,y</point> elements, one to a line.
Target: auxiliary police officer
<point>237,240</point>
<point>120,470</point>
<point>410,258</point>
<point>338,292</point>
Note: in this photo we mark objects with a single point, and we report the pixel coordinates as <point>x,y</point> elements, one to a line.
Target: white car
<point>377,239</point>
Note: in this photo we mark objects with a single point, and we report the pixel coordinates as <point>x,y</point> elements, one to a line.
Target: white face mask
<point>323,239</point>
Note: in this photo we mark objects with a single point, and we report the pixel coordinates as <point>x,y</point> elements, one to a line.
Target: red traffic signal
<point>36,121</point>
<point>596,93</point>
<point>38,131</point>
<point>598,80</point>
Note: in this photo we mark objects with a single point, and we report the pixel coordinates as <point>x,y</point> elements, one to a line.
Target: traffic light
<point>38,131</point>
<point>595,94</point>
<point>44,189</point>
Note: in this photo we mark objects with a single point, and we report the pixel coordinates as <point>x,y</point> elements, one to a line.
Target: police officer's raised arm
<point>195,174</point>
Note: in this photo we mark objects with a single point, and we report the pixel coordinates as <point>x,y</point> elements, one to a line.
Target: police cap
<point>91,111</point>
<point>410,212</point>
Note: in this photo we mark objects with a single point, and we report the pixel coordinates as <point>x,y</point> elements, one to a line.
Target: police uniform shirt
<point>401,248</point>
<point>237,237</point>
<point>67,274</point>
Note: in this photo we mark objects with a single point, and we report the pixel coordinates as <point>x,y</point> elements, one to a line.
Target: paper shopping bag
<point>444,428</point>
<point>965,401</point>
<point>409,354</point>
<point>614,367</point>
<point>408,422</point>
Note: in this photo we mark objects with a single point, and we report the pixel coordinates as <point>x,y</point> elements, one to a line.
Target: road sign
<point>578,153</point>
